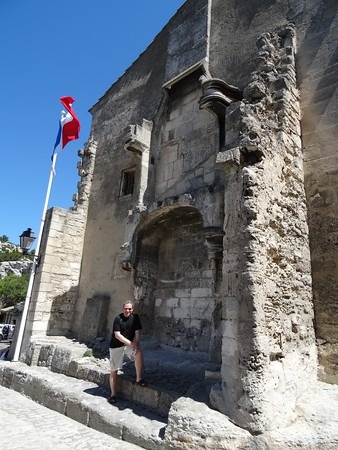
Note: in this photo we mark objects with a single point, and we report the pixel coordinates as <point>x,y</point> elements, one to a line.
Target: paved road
<point>26,425</point>
<point>4,344</point>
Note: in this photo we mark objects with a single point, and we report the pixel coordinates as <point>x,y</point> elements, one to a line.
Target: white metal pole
<point>32,275</point>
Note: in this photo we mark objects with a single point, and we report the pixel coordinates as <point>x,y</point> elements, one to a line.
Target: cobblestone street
<point>26,425</point>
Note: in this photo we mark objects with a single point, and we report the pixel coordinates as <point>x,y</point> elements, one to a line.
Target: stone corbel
<point>138,138</point>
<point>217,95</point>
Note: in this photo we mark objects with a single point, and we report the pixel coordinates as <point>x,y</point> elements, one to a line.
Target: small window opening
<point>127,182</point>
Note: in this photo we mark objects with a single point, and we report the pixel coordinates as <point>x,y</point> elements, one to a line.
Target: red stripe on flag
<point>71,129</point>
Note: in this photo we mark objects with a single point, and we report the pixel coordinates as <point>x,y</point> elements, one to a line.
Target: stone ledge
<point>84,402</point>
<point>60,357</point>
<point>191,424</point>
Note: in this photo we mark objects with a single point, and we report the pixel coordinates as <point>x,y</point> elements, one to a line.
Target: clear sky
<point>52,48</point>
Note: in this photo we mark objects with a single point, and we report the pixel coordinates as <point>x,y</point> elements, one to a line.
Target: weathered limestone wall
<point>234,27</point>
<point>149,125</point>
<point>187,144</point>
<point>134,104</point>
<point>175,281</point>
<point>187,44</point>
<point>126,104</point>
<point>55,287</point>
<point>319,94</point>
<point>267,312</point>
<point>184,314</point>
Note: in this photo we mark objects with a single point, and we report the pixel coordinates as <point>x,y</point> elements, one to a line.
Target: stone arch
<point>174,279</point>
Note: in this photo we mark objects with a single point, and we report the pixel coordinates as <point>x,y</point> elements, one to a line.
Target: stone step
<point>190,425</point>
<point>169,372</point>
<point>85,402</point>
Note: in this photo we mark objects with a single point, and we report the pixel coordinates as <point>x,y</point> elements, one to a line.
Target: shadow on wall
<point>317,33</point>
<point>94,321</point>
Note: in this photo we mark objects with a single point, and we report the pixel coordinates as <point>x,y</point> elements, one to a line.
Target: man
<point>125,340</point>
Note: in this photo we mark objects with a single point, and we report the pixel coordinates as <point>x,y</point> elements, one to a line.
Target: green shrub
<point>14,255</point>
<point>13,289</point>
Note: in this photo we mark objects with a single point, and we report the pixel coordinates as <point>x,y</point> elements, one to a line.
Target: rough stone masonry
<point>208,195</point>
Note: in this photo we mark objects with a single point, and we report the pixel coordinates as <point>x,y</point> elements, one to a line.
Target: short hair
<point>126,303</point>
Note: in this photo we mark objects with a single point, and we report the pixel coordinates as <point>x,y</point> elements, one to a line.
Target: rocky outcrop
<point>16,268</point>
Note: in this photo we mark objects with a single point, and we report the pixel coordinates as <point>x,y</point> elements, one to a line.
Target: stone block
<point>94,322</point>
<point>231,308</point>
<point>164,402</point>
<point>77,411</point>
<point>55,400</point>
<point>158,302</point>
<point>168,171</point>
<point>230,329</point>
<point>172,302</point>
<point>82,372</point>
<point>229,346</point>
<point>180,313</point>
<point>187,424</point>
<point>61,359</point>
<point>177,168</point>
<point>99,420</point>
<point>200,313</point>
<point>182,292</point>
<point>35,388</point>
<point>201,292</point>
<point>126,387</point>
<point>73,368</point>
<point>187,302</point>
<point>97,376</point>
<point>146,396</point>
<point>173,154</point>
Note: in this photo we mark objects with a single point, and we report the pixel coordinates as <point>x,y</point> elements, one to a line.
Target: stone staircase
<point>73,379</point>
<point>169,372</point>
<point>172,413</point>
<point>84,402</point>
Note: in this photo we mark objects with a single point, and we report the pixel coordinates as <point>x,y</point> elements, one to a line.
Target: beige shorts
<point>117,354</point>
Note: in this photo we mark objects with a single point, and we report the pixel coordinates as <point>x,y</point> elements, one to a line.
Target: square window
<point>127,182</point>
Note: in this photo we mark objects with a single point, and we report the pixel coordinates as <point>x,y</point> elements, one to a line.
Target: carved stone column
<point>214,243</point>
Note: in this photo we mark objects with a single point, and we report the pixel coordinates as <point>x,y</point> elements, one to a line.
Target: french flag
<point>69,125</point>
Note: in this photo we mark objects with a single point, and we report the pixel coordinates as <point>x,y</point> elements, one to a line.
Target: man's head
<point>127,308</point>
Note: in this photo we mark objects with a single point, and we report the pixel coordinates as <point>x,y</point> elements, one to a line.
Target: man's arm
<point>125,341</point>
<point>122,339</point>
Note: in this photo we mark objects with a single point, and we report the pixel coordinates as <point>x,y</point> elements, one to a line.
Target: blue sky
<point>50,49</point>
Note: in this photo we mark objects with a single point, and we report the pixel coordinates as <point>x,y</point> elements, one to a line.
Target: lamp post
<point>26,240</point>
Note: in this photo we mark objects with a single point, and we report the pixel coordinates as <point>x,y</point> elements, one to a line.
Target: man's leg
<point>113,382</point>
<point>116,361</point>
<point>139,365</point>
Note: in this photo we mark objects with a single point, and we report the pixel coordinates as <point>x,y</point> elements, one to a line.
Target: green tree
<point>13,289</point>
<point>15,255</point>
<point>3,238</point>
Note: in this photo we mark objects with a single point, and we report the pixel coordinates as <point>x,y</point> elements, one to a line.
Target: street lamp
<point>26,240</point>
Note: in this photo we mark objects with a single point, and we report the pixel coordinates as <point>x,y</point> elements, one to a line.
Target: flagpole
<point>35,264</point>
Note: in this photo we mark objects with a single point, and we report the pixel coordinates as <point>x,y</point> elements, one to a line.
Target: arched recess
<point>174,280</point>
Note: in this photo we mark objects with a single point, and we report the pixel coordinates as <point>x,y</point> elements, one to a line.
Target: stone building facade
<point>211,201</point>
